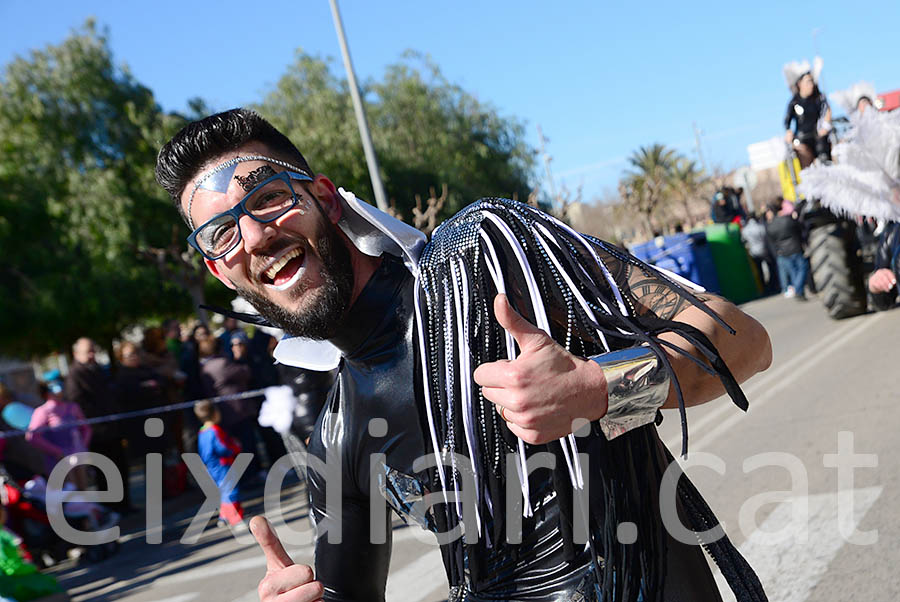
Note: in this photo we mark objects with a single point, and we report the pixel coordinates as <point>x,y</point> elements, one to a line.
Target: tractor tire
<point>837,269</point>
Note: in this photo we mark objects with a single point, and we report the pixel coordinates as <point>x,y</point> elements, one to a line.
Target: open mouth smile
<point>285,271</point>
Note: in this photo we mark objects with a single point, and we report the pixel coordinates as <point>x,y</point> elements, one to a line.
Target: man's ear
<point>327,195</point>
<point>214,270</point>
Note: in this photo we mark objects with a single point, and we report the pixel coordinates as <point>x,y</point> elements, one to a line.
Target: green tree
<point>86,232</point>
<point>647,184</point>
<point>78,201</point>
<point>428,133</point>
<point>686,180</point>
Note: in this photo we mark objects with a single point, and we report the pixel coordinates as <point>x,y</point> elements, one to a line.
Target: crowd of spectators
<point>166,365</point>
<point>774,238</point>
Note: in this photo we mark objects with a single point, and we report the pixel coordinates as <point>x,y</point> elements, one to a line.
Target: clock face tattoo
<point>253,178</point>
<point>657,298</point>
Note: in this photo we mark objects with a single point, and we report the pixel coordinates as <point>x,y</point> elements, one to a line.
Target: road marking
<point>303,555</point>
<point>757,385</point>
<point>424,576</point>
<point>213,569</point>
<point>790,568</point>
<point>764,390</point>
<point>180,598</point>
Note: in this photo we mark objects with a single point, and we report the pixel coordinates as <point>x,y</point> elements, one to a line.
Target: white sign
<point>767,154</point>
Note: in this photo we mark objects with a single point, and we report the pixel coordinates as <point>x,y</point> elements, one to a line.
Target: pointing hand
<point>284,580</point>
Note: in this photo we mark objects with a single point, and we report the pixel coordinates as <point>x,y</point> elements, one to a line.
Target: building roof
<point>888,101</point>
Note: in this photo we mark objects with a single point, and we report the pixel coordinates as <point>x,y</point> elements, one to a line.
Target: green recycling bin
<point>737,280</point>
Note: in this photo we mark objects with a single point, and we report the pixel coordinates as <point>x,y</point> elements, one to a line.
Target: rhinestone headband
<point>230,164</point>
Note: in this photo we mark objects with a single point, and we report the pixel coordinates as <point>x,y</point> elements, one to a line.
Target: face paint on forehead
<point>218,180</point>
<point>220,177</point>
<point>253,178</point>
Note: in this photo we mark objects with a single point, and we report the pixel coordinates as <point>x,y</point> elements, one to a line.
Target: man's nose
<point>254,234</point>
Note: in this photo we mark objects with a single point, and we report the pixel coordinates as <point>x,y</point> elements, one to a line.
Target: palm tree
<point>646,184</point>
<point>685,180</point>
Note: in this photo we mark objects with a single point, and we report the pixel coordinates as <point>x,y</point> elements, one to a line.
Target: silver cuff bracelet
<point>638,385</point>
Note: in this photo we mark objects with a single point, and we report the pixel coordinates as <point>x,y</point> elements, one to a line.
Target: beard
<point>321,318</point>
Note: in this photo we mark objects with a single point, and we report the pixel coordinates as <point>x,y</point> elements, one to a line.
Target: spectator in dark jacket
<point>786,234</point>
<point>759,247</point>
<point>89,386</point>
<point>265,374</point>
<point>189,363</point>
<point>722,212</point>
<point>726,206</point>
<point>223,376</point>
<point>220,375</point>
<point>140,387</point>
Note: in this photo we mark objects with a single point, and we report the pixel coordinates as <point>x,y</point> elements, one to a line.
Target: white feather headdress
<point>849,98</point>
<point>794,70</point>
<point>866,171</point>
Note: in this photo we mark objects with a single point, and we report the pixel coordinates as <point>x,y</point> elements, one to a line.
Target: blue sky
<point>600,78</point>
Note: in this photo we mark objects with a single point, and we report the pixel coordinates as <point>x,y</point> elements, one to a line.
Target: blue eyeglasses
<point>269,200</point>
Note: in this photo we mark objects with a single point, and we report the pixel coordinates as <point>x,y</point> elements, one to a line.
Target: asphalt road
<point>769,474</point>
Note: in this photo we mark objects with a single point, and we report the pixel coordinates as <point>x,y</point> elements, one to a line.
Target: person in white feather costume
<point>864,182</point>
<point>857,98</point>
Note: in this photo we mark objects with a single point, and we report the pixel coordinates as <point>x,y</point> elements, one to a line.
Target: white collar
<point>373,232</point>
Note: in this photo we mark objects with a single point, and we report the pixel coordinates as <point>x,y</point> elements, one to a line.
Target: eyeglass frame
<point>240,208</point>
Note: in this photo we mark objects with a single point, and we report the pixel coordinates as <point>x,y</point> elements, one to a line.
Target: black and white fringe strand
<point>560,281</point>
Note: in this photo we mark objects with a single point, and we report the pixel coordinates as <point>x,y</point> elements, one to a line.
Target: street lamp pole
<point>697,133</point>
<point>368,149</point>
<point>815,35</point>
<point>547,159</point>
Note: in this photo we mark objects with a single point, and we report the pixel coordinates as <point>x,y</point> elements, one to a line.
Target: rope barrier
<point>134,413</point>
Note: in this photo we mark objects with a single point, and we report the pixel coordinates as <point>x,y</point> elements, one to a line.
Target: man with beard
<point>321,264</point>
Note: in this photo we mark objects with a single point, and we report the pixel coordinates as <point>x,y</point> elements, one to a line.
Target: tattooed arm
<point>746,352</point>
<point>546,387</point>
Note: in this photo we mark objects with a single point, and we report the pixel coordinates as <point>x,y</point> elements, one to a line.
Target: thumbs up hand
<point>545,388</point>
<point>284,580</point>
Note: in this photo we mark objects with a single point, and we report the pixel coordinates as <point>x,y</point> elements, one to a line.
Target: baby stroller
<point>27,509</point>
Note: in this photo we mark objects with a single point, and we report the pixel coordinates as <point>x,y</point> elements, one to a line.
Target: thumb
<point>276,557</point>
<point>526,334</point>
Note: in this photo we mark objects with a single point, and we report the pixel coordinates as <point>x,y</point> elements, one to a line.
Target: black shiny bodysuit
<point>372,460</point>
<point>806,113</point>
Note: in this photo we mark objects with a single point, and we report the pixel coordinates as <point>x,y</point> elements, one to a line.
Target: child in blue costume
<point>218,450</point>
